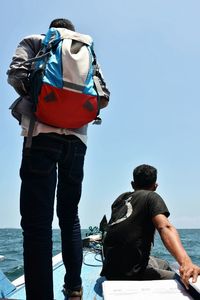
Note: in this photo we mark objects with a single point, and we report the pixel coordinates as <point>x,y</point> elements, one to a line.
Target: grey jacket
<point>18,71</point>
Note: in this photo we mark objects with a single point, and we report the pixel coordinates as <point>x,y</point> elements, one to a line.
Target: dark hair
<point>144,176</point>
<point>62,23</point>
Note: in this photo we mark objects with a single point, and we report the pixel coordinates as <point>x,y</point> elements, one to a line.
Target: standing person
<point>54,161</point>
<point>130,234</point>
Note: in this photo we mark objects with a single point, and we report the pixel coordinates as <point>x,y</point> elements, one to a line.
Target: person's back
<point>127,244</point>
<point>19,78</point>
<point>130,232</point>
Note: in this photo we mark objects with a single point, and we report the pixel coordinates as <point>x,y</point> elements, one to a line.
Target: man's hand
<point>188,270</point>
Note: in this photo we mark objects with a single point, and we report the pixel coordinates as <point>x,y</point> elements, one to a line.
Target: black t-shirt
<point>128,241</point>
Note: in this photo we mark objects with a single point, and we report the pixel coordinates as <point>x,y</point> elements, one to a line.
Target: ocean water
<point>11,248</point>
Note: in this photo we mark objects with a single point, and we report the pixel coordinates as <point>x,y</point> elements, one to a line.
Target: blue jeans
<point>54,161</point>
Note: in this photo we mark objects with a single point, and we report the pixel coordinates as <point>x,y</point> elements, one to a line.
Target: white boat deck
<point>143,290</point>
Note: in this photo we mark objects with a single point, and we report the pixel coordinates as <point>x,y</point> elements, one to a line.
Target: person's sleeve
<point>103,83</point>
<point>101,86</point>
<point>156,205</point>
<point>18,71</point>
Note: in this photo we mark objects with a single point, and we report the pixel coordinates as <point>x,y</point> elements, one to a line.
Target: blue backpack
<point>66,83</point>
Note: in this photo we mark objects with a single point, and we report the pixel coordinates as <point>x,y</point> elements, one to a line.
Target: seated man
<point>130,234</point>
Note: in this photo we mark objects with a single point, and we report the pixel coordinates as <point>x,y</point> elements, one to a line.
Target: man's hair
<point>144,176</point>
<point>62,23</point>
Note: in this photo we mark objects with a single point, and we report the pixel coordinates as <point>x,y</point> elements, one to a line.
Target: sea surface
<point>11,248</point>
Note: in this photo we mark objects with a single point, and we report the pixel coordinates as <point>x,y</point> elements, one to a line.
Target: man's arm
<point>172,242</point>
<point>18,72</point>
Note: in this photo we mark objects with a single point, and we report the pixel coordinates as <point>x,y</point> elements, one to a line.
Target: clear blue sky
<point>149,51</point>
